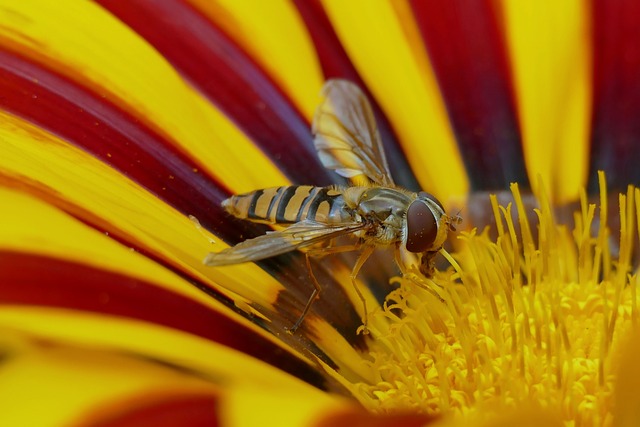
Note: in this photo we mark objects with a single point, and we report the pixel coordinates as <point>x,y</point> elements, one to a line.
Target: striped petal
<point>231,79</point>
<point>104,386</point>
<point>336,64</point>
<point>129,388</point>
<point>385,46</point>
<point>469,59</point>
<point>274,35</point>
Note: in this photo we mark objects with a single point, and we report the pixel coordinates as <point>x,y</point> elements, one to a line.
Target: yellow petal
<point>277,407</point>
<point>550,50</point>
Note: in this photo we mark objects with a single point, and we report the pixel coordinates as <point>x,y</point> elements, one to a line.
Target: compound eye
<point>422,227</point>
<point>424,195</point>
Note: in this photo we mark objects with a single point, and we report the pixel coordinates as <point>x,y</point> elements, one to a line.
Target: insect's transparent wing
<point>299,235</point>
<point>346,135</point>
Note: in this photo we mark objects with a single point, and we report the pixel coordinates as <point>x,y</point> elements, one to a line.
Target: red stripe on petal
<point>333,58</point>
<point>224,73</point>
<point>616,128</point>
<point>468,56</point>
<point>97,125</point>
<point>336,64</point>
<point>187,411</point>
<point>41,281</point>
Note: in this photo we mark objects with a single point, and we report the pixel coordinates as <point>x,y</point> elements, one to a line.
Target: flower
<point>121,119</point>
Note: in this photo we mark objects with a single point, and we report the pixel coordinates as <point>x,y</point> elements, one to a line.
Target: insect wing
<point>299,235</point>
<point>346,134</point>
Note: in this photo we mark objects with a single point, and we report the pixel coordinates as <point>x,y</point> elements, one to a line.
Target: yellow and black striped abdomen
<point>289,204</point>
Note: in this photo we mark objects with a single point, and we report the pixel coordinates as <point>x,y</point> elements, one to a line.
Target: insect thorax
<point>385,209</point>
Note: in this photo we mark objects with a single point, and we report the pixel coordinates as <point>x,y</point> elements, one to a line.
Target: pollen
<point>531,317</point>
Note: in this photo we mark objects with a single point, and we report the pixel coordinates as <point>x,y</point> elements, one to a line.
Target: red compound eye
<point>422,227</point>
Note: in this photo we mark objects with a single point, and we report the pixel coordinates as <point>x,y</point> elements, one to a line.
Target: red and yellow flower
<point>120,119</point>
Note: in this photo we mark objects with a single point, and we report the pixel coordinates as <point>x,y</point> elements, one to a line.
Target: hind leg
<point>319,252</point>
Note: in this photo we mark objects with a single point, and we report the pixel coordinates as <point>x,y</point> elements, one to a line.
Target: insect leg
<point>415,278</point>
<point>319,252</point>
<point>428,264</point>
<point>315,294</point>
<point>366,253</point>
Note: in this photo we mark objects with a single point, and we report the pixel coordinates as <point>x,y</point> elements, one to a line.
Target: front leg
<point>411,273</point>
<point>428,264</point>
<point>364,255</point>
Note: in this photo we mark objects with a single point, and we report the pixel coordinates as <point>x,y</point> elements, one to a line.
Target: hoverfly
<point>377,214</point>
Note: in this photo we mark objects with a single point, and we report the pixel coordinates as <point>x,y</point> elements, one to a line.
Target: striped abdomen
<point>290,204</point>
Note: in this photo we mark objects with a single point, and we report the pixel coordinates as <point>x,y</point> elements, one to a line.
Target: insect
<point>376,214</point>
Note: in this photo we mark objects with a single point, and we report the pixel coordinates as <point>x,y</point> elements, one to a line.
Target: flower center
<point>525,320</point>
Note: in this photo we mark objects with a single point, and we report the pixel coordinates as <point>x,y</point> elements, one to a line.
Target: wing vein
<point>346,135</point>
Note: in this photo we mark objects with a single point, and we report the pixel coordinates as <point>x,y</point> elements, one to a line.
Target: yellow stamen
<point>533,317</point>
